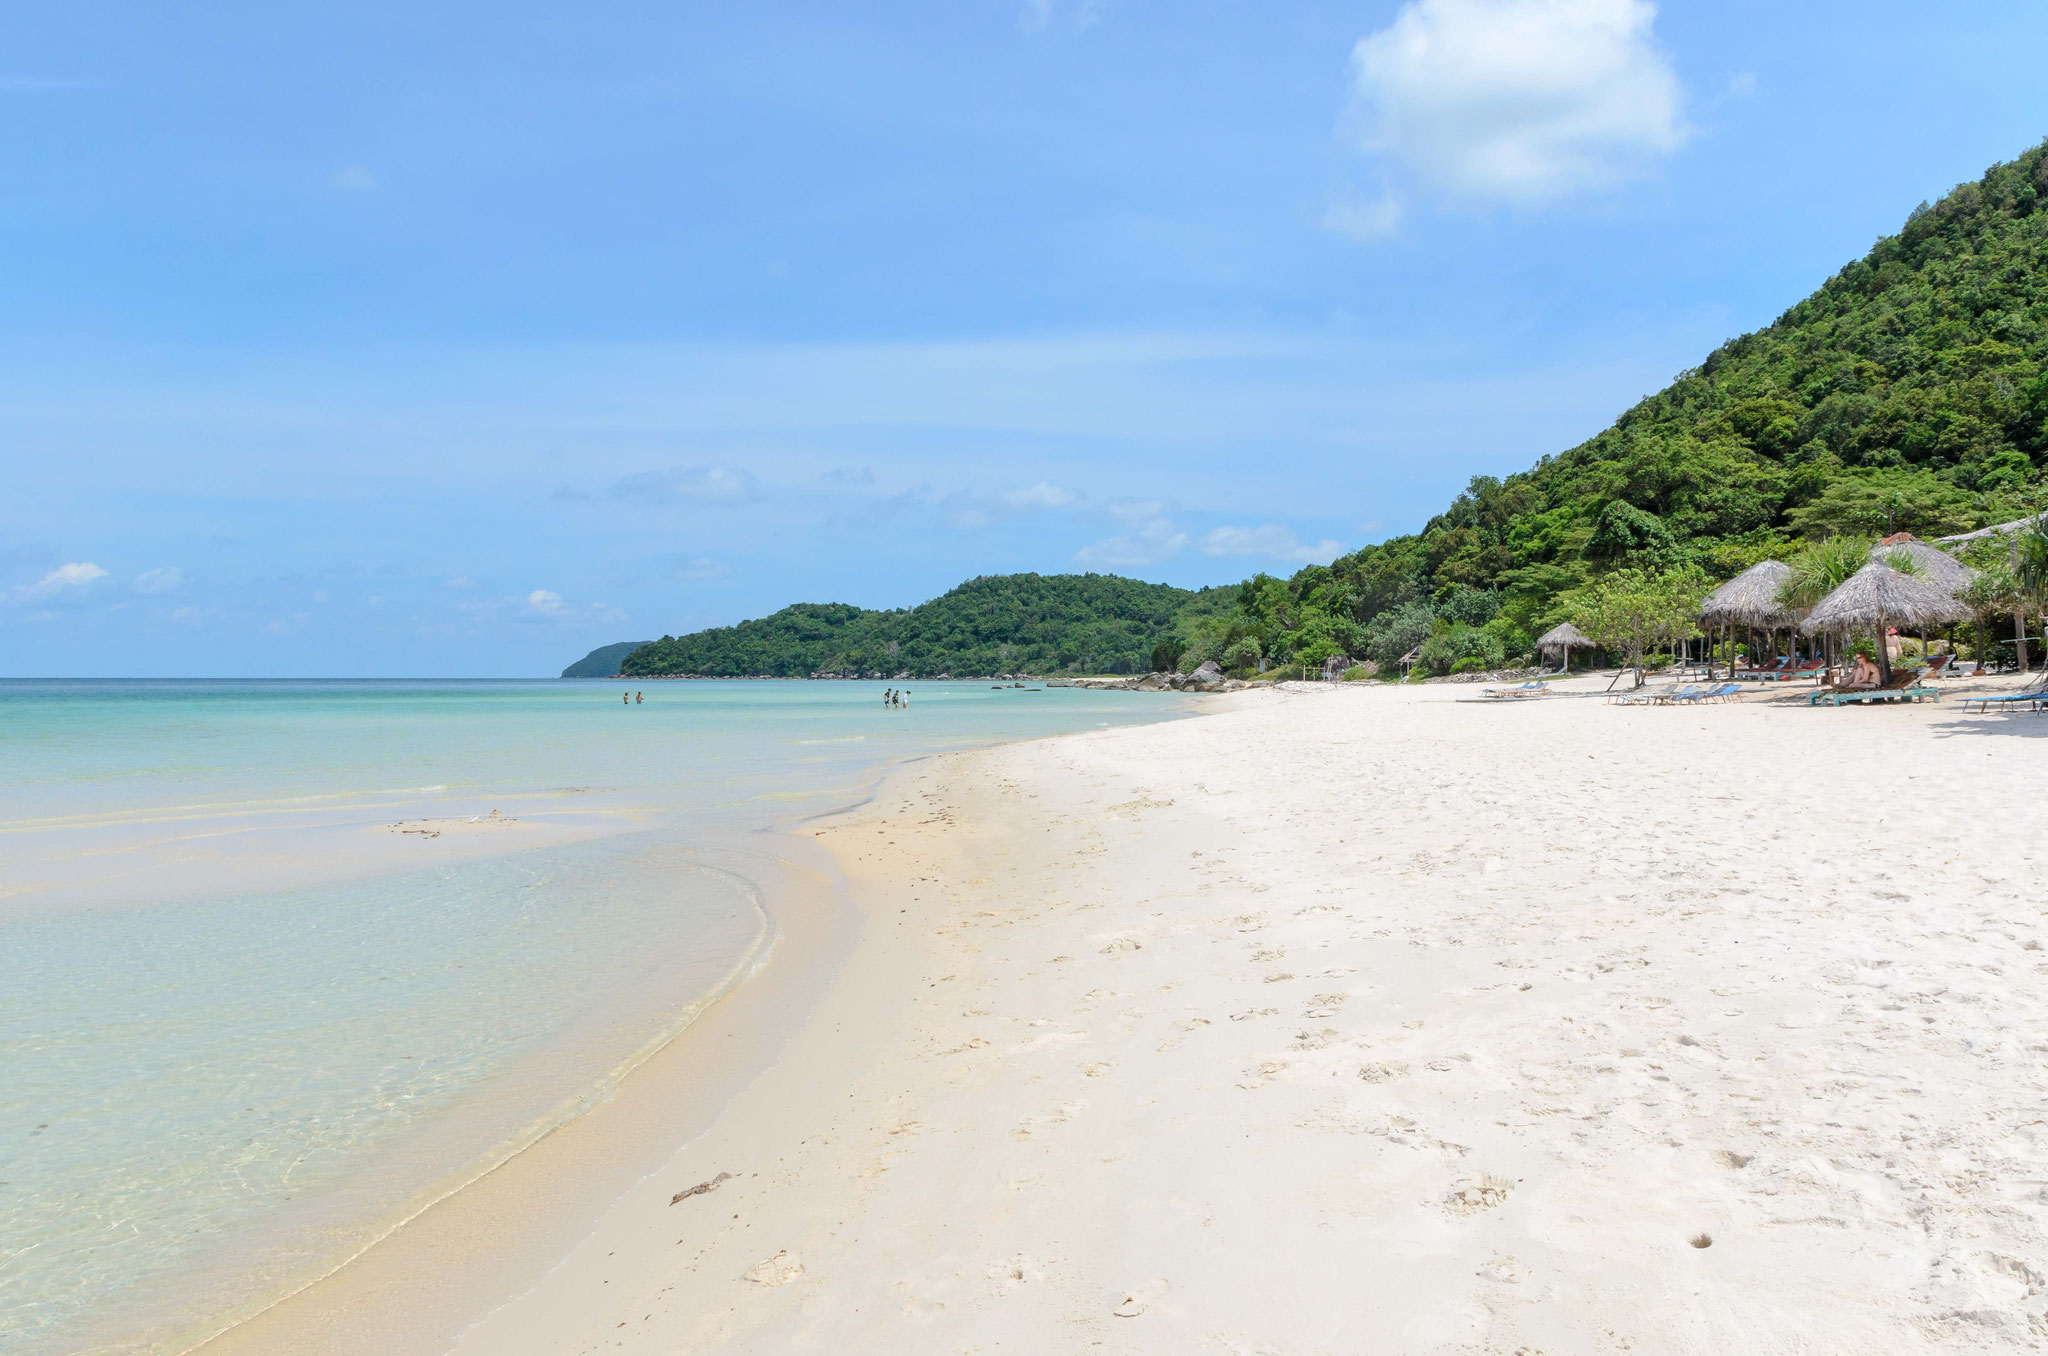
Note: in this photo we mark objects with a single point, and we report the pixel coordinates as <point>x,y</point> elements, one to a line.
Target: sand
<point>1365,1020</point>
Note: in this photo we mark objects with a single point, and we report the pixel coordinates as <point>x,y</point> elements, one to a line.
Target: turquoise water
<point>245,1025</point>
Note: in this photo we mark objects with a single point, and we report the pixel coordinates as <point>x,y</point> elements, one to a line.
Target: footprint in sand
<point>1473,1194</point>
<point>780,1269</point>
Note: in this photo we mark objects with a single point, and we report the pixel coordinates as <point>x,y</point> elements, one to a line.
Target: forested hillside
<point>1907,394</point>
<point>602,662</point>
<point>1069,623</point>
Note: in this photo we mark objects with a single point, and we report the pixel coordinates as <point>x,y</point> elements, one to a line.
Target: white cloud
<point>1519,101</point>
<point>687,484</point>
<point>548,605</point>
<point>64,579</point>
<point>1270,540</point>
<point>1364,218</point>
<point>1043,495</point>
<point>701,567</point>
<point>164,579</point>
<point>1149,537</point>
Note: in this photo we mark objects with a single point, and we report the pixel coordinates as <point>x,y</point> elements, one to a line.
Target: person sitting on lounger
<point>1864,675</point>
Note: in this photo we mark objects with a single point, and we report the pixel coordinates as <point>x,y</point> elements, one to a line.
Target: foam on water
<point>210,1093</point>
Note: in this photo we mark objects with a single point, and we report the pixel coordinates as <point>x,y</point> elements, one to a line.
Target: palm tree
<point>2029,580</point>
<point>1822,568</point>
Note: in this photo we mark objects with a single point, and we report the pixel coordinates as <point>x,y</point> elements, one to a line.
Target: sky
<point>456,340</point>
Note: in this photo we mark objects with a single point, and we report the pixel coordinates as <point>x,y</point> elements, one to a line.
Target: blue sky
<point>458,339</point>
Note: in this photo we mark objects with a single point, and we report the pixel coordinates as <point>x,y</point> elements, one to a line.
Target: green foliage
<point>604,661</point>
<point>1243,654</point>
<point>1089,623</point>
<point>1458,643</point>
<point>1909,393</point>
<point>1624,532</point>
<point>1885,501</point>
<point>1166,654</point>
<point>1398,630</point>
<point>1821,568</point>
<point>1632,611</point>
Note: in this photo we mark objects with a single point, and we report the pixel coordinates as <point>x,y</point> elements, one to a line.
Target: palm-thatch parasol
<point>1937,566</point>
<point>1750,600</point>
<point>1563,639</point>
<point>1878,596</point>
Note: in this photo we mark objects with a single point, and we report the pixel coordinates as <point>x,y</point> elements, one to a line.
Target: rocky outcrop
<point>1197,681</point>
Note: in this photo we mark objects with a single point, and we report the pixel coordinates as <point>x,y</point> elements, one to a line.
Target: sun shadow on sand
<point>2015,725</point>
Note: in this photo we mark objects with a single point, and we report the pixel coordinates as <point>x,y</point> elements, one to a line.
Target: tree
<point>1630,611</point>
<point>1623,531</point>
<point>1823,567</point>
<point>1397,631</point>
<point>1885,501</point>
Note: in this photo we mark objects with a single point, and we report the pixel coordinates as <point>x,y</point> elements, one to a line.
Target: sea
<point>281,962</point>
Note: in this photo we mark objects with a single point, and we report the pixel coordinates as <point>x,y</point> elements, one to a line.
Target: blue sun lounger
<point>2029,700</point>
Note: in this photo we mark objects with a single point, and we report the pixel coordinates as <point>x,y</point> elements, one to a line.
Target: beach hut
<point>1561,640</point>
<point>1877,597</point>
<point>1750,601</point>
<point>1410,660</point>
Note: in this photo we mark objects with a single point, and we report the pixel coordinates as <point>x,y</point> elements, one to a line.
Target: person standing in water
<point>625,699</point>
<point>638,698</point>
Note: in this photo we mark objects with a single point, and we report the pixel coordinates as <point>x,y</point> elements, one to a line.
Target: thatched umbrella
<point>1877,597</point>
<point>1563,639</point>
<point>1937,566</point>
<point>1750,599</point>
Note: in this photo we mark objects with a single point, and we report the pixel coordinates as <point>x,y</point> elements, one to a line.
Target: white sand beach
<point>1363,1020</point>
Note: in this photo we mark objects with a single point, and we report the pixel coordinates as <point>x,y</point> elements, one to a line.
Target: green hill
<point>602,662</point>
<point>1068,623</point>
<point>1910,393</point>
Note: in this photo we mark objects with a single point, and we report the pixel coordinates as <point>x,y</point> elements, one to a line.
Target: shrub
<point>1442,652</point>
<point>1397,631</point>
<point>1469,666</point>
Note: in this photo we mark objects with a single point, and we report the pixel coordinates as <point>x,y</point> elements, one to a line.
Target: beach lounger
<point>2029,700</point>
<point>1765,673</point>
<point>1904,688</point>
<point>1532,688</point>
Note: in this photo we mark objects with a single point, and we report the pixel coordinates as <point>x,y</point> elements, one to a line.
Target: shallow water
<point>208,1093</point>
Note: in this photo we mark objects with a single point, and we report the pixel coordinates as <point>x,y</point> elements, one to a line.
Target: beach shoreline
<point>414,1285</point>
<point>1368,1017</point>
<point>1215,1035</point>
